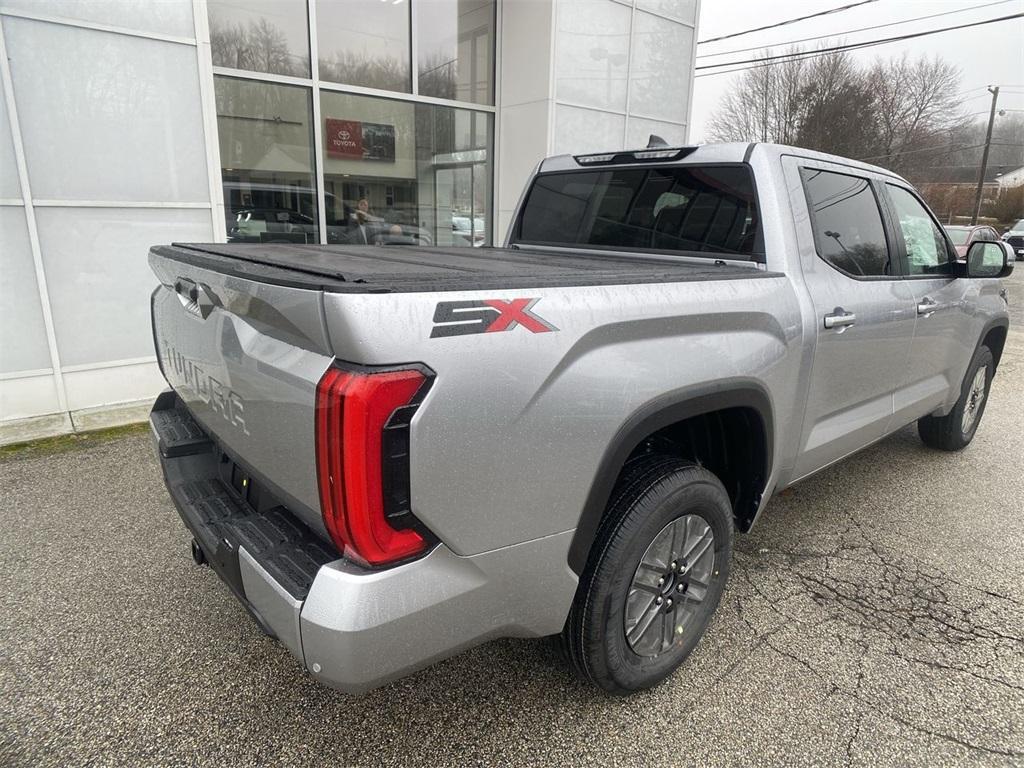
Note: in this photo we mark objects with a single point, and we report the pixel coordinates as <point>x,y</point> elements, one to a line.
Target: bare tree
<point>889,112</point>
<point>837,114</point>
<point>1007,207</point>
<point>764,105</point>
<point>915,105</point>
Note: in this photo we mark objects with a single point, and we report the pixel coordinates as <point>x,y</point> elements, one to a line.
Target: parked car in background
<point>1015,237</point>
<point>963,236</point>
<point>470,228</point>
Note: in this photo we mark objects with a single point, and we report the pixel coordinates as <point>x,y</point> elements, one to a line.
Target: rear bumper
<point>351,628</point>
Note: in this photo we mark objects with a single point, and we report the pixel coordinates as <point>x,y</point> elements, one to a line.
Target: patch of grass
<point>51,445</point>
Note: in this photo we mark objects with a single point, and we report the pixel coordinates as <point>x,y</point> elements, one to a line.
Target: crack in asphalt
<point>889,604</point>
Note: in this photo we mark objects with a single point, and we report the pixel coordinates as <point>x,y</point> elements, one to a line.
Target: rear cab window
<point>693,210</point>
<point>847,223</point>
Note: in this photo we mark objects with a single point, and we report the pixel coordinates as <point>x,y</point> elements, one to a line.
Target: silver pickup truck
<point>390,454</point>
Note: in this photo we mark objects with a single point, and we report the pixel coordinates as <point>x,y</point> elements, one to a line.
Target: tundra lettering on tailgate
<point>457,318</point>
<point>187,375</point>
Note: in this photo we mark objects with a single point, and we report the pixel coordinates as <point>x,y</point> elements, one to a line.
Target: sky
<point>992,54</point>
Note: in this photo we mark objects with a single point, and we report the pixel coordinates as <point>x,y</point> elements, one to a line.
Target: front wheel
<point>955,430</point>
<point>655,575</point>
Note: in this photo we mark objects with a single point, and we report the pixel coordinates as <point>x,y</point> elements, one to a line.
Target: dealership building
<point>128,123</point>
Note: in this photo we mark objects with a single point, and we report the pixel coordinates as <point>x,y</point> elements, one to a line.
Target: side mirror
<point>989,259</point>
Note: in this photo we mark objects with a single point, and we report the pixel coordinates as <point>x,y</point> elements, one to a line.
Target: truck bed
<point>413,269</point>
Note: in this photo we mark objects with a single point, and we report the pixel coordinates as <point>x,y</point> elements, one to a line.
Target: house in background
<point>1010,179</point>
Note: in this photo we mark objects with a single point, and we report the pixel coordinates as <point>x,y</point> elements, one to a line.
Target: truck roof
<point>728,152</point>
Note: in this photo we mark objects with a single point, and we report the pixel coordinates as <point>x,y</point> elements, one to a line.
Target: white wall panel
<point>592,53</point>
<point>26,397</point>
<point>164,17</point>
<point>109,386</point>
<point>9,185</point>
<point>95,260</point>
<point>22,332</point>
<point>586,130</point>
<point>684,10</point>
<point>639,130</point>
<point>659,75</point>
<point>107,116</point>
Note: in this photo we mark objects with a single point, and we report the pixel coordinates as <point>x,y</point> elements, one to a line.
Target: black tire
<point>947,433</point>
<point>652,492</point>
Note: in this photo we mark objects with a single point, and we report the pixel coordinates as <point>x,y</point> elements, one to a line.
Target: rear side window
<point>847,223</point>
<point>693,209</point>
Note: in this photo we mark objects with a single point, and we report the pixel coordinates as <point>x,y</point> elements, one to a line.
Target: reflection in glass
<point>456,49</point>
<point>260,35</point>
<point>365,43</point>
<point>266,152</point>
<point>402,173</point>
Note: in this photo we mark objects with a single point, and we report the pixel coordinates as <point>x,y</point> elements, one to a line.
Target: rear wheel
<point>955,430</point>
<point>655,575</point>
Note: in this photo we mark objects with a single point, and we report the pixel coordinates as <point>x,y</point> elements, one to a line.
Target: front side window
<point>847,223</point>
<point>704,209</point>
<point>927,253</point>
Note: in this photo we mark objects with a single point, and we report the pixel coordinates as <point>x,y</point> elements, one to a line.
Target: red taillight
<point>352,410</point>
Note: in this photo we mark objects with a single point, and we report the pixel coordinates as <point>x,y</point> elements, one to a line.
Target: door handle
<point>927,305</point>
<point>839,318</point>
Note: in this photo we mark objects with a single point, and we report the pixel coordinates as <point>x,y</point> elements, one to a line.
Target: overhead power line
<point>940,148</point>
<point>787,21</point>
<point>935,147</point>
<point>767,61</point>
<point>867,43</point>
<point>853,31</point>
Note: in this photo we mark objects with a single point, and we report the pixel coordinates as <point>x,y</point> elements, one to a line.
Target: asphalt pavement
<point>875,617</point>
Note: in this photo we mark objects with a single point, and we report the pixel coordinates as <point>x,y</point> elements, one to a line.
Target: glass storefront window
<point>397,172</point>
<point>266,152</point>
<point>455,40</point>
<point>260,35</point>
<point>365,43</point>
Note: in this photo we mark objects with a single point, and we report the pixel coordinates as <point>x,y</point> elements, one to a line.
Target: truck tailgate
<point>245,357</point>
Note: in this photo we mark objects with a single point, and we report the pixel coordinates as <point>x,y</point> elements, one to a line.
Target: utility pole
<point>984,156</point>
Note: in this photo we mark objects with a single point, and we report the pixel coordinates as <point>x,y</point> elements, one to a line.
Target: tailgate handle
<point>195,297</point>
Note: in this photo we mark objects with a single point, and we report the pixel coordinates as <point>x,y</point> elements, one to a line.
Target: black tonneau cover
<point>410,269</point>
